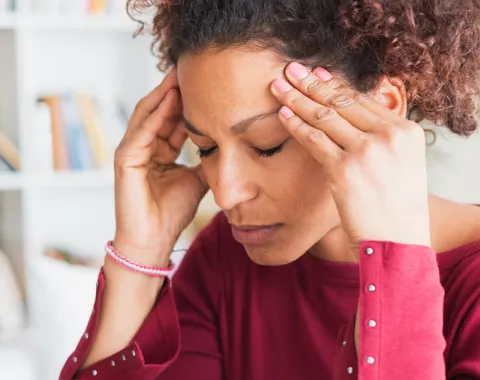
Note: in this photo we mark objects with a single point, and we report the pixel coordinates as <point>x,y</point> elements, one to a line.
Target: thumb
<point>198,170</point>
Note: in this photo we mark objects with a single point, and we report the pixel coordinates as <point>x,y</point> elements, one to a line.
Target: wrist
<point>155,254</point>
<point>121,280</point>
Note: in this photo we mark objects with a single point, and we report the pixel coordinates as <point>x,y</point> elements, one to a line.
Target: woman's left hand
<point>373,158</point>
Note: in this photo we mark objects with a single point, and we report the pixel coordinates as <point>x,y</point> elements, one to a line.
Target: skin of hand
<point>373,159</point>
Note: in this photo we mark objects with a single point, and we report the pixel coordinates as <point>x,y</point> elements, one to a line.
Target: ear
<point>391,93</point>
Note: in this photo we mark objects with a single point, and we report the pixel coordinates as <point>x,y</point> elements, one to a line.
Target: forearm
<point>397,332</point>
<point>128,299</point>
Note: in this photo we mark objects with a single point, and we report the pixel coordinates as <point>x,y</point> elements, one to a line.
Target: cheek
<point>303,186</point>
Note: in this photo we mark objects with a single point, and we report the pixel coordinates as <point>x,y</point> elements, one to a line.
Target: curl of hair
<point>433,46</point>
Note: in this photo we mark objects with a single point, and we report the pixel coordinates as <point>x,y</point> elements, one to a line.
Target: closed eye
<point>205,152</point>
<point>261,152</point>
<point>269,152</point>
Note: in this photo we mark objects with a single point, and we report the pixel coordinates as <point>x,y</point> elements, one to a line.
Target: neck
<point>451,225</point>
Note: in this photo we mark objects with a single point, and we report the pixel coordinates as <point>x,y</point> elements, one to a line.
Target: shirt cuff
<point>401,303</point>
<point>143,356</point>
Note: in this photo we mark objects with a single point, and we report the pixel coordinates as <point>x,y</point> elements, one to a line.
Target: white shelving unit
<point>74,210</point>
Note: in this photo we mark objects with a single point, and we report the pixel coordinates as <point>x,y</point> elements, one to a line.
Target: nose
<point>234,183</point>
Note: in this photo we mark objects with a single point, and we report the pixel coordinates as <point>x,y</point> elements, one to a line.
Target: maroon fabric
<point>242,321</point>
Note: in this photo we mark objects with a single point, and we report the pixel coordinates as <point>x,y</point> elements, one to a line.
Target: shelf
<point>93,179</point>
<point>78,179</point>
<point>65,21</point>
<point>11,181</point>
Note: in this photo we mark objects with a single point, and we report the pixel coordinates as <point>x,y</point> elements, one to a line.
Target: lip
<point>254,235</point>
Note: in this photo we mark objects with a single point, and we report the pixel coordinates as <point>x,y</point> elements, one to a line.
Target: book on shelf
<point>67,256</point>
<point>9,155</point>
<point>76,131</point>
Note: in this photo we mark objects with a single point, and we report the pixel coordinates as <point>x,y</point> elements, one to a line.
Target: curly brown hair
<point>433,46</point>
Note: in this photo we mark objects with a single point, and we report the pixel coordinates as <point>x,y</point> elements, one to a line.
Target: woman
<point>330,259</point>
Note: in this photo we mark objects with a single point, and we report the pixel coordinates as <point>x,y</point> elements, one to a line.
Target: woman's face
<point>259,175</point>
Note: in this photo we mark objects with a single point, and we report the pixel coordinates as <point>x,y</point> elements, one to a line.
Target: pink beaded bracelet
<point>129,264</point>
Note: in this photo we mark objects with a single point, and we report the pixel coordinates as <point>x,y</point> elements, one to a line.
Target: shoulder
<point>461,264</point>
<point>460,275</point>
<point>461,282</point>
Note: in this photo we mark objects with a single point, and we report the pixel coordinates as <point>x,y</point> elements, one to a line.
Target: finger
<point>150,102</point>
<point>173,117</point>
<point>201,175</point>
<point>160,119</point>
<point>317,142</point>
<point>167,151</point>
<point>178,137</point>
<point>317,115</point>
<point>163,153</point>
<point>334,93</point>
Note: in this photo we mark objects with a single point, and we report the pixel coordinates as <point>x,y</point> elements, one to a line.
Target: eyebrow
<point>236,129</point>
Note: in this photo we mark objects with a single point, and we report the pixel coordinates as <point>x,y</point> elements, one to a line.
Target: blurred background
<point>70,75</point>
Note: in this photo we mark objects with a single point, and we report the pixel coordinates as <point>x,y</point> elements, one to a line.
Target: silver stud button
<point>344,343</point>
<point>369,251</point>
<point>349,370</point>
<point>94,372</point>
<point>372,323</point>
<point>112,363</point>
<point>85,336</point>
<point>370,360</point>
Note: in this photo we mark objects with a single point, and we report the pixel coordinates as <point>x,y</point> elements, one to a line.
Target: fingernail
<point>322,73</point>
<point>286,113</point>
<point>297,70</point>
<point>282,85</point>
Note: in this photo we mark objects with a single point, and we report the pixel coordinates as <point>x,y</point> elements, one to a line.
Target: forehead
<point>223,87</point>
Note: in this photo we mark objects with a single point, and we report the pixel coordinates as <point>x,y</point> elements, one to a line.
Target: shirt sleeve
<point>186,303</point>
<point>140,359</point>
<point>401,317</point>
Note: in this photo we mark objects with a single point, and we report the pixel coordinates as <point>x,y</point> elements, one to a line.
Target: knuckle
<point>119,159</point>
<point>293,100</point>
<point>368,147</point>
<point>315,135</point>
<point>322,113</point>
<point>311,86</point>
<point>296,123</point>
<point>140,105</point>
<point>384,125</point>
<point>361,97</point>
<point>118,151</point>
<point>397,137</point>
<point>340,100</point>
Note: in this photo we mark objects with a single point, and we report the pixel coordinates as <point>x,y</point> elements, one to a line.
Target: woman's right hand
<point>155,199</point>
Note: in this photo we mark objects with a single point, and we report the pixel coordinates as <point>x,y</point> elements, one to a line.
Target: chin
<point>272,255</point>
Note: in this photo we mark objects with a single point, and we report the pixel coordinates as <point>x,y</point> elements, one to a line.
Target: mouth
<point>254,234</point>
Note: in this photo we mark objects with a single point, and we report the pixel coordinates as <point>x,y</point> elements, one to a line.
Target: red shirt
<point>224,317</point>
